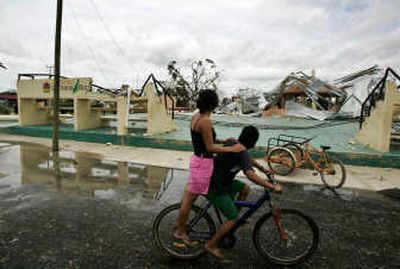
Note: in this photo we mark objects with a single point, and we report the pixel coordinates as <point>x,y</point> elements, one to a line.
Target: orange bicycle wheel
<point>333,173</point>
<point>281,161</point>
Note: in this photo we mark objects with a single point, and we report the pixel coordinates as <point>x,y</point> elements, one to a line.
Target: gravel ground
<point>44,228</point>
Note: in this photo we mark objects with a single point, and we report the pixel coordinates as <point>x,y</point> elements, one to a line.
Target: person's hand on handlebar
<point>273,187</point>
<point>278,188</point>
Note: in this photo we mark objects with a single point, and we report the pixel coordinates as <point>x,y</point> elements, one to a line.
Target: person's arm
<point>259,166</point>
<point>223,141</point>
<point>252,176</point>
<point>205,127</point>
<point>247,166</point>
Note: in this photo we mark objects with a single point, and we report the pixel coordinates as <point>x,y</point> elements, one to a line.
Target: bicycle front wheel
<point>288,240</point>
<point>333,174</point>
<point>200,228</point>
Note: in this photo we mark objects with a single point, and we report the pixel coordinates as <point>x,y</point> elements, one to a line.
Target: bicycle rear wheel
<point>296,149</point>
<point>200,229</point>
<point>281,161</point>
<point>333,173</point>
<point>301,237</point>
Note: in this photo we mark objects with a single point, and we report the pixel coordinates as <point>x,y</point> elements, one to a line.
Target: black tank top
<point>198,142</point>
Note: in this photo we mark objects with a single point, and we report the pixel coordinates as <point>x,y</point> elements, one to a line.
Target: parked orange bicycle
<point>287,152</point>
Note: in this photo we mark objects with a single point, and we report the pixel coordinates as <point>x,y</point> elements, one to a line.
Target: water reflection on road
<point>138,186</point>
<point>88,175</point>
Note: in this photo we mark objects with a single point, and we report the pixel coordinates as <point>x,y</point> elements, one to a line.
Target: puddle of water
<point>343,194</point>
<point>130,184</point>
<point>87,175</point>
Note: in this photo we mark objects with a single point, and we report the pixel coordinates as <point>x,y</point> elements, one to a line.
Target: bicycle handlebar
<point>271,179</point>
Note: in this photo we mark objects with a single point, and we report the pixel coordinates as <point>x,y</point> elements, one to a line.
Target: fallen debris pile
<point>301,95</point>
<point>304,96</point>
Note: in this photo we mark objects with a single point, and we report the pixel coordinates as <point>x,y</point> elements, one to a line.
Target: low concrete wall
<point>376,130</point>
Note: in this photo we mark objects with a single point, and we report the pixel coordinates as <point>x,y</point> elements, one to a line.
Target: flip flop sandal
<point>186,240</point>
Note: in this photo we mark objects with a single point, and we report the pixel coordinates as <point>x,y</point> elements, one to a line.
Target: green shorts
<point>225,202</point>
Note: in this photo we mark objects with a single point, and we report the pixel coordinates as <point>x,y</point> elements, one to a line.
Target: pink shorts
<point>200,171</point>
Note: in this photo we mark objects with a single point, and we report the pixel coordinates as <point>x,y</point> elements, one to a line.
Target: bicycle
<point>282,236</point>
<point>294,152</point>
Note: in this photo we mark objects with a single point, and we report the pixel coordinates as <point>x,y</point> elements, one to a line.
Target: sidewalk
<point>358,177</point>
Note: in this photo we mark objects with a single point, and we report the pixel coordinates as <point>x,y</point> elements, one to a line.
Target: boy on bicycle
<point>224,189</point>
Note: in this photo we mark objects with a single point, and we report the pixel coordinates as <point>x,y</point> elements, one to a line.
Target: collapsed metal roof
<point>348,80</point>
<point>307,91</point>
<point>358,85</point>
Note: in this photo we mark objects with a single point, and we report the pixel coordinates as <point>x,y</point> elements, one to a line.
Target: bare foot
<point>180,235</point>
<point>215,252</point>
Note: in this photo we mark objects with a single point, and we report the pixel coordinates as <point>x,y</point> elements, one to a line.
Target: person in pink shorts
<point>202,161</point>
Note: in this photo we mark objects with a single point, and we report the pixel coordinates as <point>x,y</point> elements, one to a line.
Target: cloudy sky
<point>256,43</point>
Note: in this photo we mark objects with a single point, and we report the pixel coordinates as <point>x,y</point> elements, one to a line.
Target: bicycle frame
<point>252,206</point>
<point>307,157</point>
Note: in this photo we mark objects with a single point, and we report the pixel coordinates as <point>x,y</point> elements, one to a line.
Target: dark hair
<point>249,136</point>
<point>207,101</point>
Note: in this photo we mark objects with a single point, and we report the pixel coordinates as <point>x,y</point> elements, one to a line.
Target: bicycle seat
<point>325,147</point>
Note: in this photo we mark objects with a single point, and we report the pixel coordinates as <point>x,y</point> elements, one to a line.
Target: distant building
<point>9,99</point>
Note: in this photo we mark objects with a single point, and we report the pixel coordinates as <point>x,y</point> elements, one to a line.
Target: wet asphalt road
<point>43,228</point>
<point>100,216</point>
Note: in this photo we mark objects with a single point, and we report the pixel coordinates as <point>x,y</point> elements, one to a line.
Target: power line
<point>97,63</point>
<point>113,39</point>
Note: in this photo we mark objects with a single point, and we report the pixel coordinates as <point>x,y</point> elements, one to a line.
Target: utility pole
<point>56,95</point>
<point>50,67</point>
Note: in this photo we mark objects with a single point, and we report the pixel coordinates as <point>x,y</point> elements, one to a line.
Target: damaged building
<point>301,95</point>
<point>358,86</point>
